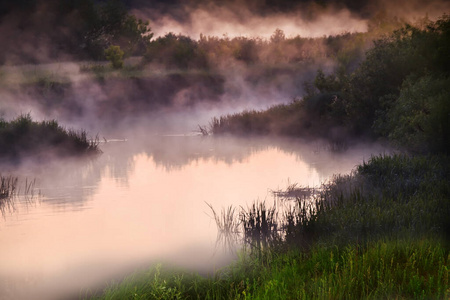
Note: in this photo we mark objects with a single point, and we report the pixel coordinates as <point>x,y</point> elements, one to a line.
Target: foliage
<point>108,23</point>
<point>381,232</point>
<point>379,235</point>
<point>23,136</point>
<point>176,51</point>
<point>408,54</point>
<point>420,118</point>
<point>384,269</point>
<point>399,91</point>
<point>115,55</point>
<point>391,197</point>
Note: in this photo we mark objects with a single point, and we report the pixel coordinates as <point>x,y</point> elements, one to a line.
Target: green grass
<point>295,119</point>
<point>393,269</point>
<point>380,232</point>
<point>290,119</point>
<point>24,137</point>
<point>405,269</point>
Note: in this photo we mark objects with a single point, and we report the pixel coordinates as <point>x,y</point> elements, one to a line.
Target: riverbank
<point>385,269</point>
<point>382,231</point>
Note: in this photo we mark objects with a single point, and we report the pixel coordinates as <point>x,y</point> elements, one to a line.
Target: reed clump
<point>23,137</point>
<point>228,227</point>
<point>11,192</point>
<point>394,196</point>
<point>8,186</point>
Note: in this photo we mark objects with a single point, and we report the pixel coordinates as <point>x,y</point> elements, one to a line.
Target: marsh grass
<point>8,187</point>
<point>294,191</point>
<point>10,191</point>
<point>228,227</point>
<point>405,269</point>
<point>203,130</point>
<point>23,136</point>
<point>260,225</point>
<point>388,196</point>
<point>360,237</point>
<point>408,269</point>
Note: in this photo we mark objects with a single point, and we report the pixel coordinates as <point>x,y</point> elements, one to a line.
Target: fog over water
<point>144,201</point>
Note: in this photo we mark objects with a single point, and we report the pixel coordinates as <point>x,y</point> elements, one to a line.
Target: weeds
<point>359,236</point>
<point>203,130</point>
<point>408,269</point>
<point>9,190</point>
<point>23,136</point>
<point>228,227</point>
<point>8,187</point>
<point>390,196</point>
<point>260,226</point>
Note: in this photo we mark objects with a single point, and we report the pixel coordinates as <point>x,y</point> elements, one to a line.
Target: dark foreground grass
<point>403,269</point>
<point>380,232</point>
<point>23,137</point>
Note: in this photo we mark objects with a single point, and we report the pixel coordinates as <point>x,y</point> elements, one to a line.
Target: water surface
<point>144,200</point>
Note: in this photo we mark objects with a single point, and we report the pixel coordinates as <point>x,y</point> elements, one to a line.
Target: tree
<point>115,55</point>
<point>420,118</point>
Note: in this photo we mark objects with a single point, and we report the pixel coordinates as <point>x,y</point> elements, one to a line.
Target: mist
<point>219,21</point>
<point>254,19</point>
<point>44,74</point>
<point>142,200</point>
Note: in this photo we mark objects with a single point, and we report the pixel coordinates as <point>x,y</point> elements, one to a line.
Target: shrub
<point>115,55</point>
<point>420,118</point>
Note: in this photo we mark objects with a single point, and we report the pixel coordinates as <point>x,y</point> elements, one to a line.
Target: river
<point>144,200</point>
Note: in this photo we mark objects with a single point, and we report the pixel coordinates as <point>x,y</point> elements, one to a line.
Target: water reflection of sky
<point>144,201</point>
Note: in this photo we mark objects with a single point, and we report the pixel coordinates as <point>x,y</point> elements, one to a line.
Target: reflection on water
<point>144,200</point>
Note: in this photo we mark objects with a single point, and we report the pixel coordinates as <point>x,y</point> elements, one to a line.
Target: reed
<point>23,136</point>
<point>387,197</point>
<point>10,191</point>
<point>228,227</point>
<point>358,237</point>
<point>8,187</point>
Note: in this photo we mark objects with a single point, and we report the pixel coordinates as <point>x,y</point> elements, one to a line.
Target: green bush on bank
<point>115,55</point>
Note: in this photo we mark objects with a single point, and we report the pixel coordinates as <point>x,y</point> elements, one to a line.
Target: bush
<point>115,55</point>
<point>420,118</point>
<point>176,51</point>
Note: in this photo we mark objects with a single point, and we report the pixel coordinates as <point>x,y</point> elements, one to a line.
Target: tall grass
<point>7,186</point>
<point>10,189</point>
<point>23,136</point>
<point>387,197</point>
<point>380,232</point>
<point>228,226</point>
<point>379,270</point>
<point>402,269</point>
